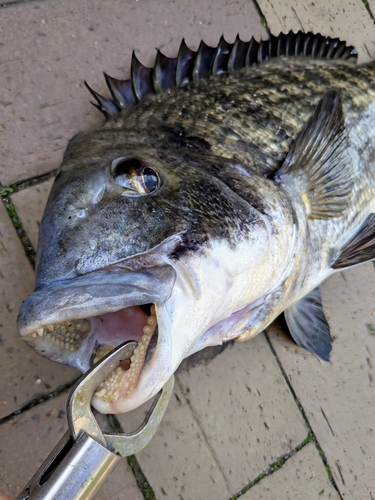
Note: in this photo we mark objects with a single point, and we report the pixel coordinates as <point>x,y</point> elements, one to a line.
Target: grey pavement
<point>265,419</point>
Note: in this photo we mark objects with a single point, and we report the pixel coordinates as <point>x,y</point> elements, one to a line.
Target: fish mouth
<point>80,320</point>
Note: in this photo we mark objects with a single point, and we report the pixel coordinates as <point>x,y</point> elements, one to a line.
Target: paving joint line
<point>366,4</point>
<point>142,481</point>
<point>18,2</point>
<point>304,416</point>
<point>39,400</point>
<point>197,421</point>
<point>6,193</point>
<point>26,183</point>
<point>21,233</point>
<point>263,19</point>
<point>273,467</point>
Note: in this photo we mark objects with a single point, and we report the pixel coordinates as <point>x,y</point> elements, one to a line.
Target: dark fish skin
<point>251,116</point>
<point>249,191</point>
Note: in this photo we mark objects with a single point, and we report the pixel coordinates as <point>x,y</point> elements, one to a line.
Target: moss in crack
<point>311,436</point>
<point>274,466</point>
<point>26,243</point>
<point>33,181</point>
<point>329,472</point>
<point>148,494</point>
<point>6,191</point>
<point>367,5</point>
<point>21,185</point>
<point>309,439</point>
<point>13,214</point>
<point>278,464</point>
<point>262,17</point>
<point>140,478</point>
<point>142,483</point>
<point>5,194</point>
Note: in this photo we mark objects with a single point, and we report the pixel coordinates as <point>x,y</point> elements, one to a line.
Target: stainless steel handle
<point>78,465</point>
<point>75,470</point>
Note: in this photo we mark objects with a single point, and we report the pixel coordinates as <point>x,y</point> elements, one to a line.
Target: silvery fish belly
<point>224,186</point>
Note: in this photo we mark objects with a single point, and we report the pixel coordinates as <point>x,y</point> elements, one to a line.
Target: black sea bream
<point>225,185</point>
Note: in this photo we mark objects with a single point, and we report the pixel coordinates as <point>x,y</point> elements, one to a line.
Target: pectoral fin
<point>308,325</point>
<point>360,248</point>
<point>319,158</point>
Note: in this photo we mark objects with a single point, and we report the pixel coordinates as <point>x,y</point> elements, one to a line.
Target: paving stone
<point>245,410</point>
<point>24,374</point>
<point>30,204</point>
<point>344,19</point>
<point>302,476</point>
<point>120,485</point>
<point>49,48</point>
<point>178,462</point>
<point>26,440</point>
<point>339,397</point>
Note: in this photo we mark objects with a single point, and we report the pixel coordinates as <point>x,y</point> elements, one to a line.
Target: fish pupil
<point>150,179</point>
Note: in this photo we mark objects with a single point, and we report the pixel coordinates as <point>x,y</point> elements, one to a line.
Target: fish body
<point>200,213</point>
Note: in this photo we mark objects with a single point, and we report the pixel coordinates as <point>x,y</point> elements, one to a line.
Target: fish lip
<point>93,294</point>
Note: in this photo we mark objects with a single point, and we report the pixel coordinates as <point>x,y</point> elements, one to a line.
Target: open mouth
<point>77,322</point>
<point>136,323</point>
<point>125,378</point>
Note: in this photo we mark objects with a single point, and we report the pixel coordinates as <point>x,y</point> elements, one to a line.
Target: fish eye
<point>136,175</point>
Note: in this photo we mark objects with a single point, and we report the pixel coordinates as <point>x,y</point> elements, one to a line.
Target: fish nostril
<point>81,214</point>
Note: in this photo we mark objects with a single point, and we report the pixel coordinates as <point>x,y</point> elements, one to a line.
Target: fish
<point>225,185</point>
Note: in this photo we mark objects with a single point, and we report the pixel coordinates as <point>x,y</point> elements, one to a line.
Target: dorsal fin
<point>141,78</point>
<point>164,72</point>
<point>121,91</point>
<point>193,65</point>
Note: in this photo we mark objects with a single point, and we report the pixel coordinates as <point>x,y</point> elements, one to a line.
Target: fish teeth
<point>122,381</point>
<point>67,336</point>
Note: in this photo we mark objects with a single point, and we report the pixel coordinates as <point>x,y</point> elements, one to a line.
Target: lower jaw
<point>123,381</point>
<point>71,336</point>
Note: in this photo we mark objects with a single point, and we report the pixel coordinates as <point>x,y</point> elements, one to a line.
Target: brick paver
<point>303,476</point>
<point>30,204</point>
<point>339,397</point>
<point>245,410</point>
<point>26,440</point>
<point>347,20</point>
<point>246,419</point>
<point>179,461</point>
<point>25,374</point>
<point>49,48</point>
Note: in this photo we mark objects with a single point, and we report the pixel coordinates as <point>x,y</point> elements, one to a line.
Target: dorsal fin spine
<point>252,52</point>
<point>193,65</point>
<point>184,64</point>
<point>106,106</point>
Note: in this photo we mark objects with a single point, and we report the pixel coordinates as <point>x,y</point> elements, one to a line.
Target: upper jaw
<point>93,294</point>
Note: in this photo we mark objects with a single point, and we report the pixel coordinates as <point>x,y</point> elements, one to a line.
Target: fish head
<point>146,243</point>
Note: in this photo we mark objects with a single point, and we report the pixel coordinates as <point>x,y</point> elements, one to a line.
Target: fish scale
<point>225,185</point>
<point>247,110</point>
